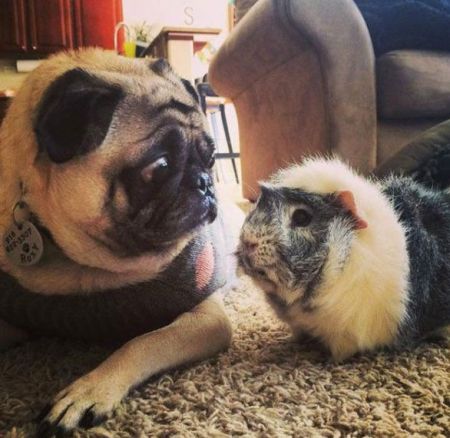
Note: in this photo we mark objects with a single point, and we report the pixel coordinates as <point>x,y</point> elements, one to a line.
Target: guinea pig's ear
<point>347,200</point>
<point>74,115</point>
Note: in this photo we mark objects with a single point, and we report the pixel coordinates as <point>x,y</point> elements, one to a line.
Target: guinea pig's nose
<point>204,184</point>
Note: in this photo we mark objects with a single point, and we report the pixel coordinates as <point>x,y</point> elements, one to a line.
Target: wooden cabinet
<point>12,26</point>
<point>34,28</point>
<point>95,22</point>
<point>50,25</point>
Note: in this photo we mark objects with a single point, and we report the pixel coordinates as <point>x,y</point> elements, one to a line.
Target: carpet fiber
<point>264,386</point>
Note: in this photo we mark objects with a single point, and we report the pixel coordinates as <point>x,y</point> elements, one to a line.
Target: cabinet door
<point>96,21</point>
<point>12,26</point>
<point>50,24</point>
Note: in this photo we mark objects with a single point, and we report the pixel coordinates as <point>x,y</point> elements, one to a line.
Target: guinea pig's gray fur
<point>354,263</point>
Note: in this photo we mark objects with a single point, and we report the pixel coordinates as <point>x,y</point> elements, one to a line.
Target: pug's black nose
<point>204,184</point>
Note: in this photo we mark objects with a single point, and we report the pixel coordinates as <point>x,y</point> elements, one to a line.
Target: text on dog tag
<point>23,244</point>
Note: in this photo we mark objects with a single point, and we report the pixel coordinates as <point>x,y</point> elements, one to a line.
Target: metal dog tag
<point>23,244</point>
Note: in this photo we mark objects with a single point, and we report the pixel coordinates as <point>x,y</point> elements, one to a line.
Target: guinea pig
<point>355,263</point>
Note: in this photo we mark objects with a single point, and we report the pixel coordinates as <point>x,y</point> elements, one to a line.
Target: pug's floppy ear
<point>347,200</point>
<point>162,67</point>
<point>74,115</point>
<point>190,89</point>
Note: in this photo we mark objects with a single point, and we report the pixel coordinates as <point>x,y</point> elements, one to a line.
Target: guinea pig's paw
<point>85,403</point>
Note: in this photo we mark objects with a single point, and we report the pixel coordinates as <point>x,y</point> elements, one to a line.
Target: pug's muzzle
<point>170,193</point>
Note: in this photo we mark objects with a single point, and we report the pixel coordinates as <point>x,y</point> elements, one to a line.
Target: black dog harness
<point>116,315</point>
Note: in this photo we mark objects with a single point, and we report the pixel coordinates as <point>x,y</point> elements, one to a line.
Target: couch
<point>304,79</point>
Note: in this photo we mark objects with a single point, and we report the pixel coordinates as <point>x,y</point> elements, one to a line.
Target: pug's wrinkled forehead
<point>83,105</point>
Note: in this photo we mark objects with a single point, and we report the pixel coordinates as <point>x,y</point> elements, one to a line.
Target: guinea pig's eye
<point>157,171</point>
<point>261,272</point>
<point>301,218</point>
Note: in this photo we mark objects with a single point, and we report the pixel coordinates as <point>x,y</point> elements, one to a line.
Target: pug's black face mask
<point>170,192</point>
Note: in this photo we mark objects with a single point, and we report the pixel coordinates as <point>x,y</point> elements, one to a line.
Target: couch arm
<point>305,71</point>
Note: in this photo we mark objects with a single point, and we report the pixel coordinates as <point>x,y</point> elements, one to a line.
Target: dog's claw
<point>88,419</point>
<point>91,419</point>
<point>47,430</point>
<point>61,432</point>
<point>85,403</point>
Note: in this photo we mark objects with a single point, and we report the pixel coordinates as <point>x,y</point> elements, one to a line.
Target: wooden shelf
<point>178,45</point>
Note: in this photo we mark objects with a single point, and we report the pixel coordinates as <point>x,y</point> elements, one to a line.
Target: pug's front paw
<point>85,403</point>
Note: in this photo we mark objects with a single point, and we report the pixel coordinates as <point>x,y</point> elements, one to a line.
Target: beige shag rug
<point>263,386</point>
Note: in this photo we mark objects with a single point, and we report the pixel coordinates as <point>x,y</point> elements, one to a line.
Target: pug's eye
<point>157,171</point>
<point>301,218</point>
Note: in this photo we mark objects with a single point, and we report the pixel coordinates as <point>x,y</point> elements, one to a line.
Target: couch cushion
<point>426,158</point>
<point>407,24</point>
<point>413,84</point>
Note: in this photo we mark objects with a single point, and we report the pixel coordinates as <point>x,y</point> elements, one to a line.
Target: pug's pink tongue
<point>204,266</point>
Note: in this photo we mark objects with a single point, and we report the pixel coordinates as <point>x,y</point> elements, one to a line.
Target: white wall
<point>185,13</point>
<point>180,13</point>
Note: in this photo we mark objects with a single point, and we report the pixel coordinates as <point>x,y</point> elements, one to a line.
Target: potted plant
<point>142,36</point>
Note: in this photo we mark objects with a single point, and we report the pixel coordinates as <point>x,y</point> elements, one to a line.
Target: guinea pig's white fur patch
<point>359,307</point>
